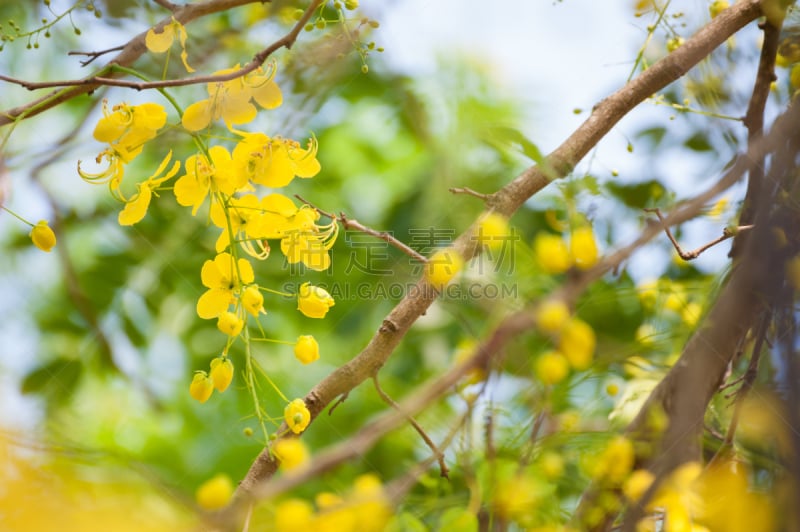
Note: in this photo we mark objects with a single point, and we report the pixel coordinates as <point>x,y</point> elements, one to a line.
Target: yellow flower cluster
<point>365,508</point>
<point>554,256</point>
<point>575,340</point>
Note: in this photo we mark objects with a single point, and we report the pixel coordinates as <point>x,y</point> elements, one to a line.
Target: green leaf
<point>639,195</point>
<point>405,522</point>
<point>698,142</point>
<point>508,137</point>
<point>58,377</point>
<point>459,519</point>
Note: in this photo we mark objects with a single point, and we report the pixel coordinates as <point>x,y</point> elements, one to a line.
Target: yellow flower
<point>297,416</point>
<point>221,277</point>
<point>583,248</point>
<point>639,481</point>
<point>304,241</point>
<point>244,214</point>
<point>717,7</point>
<point>552,367</point>
<point>442,266</point>
<point>551,253</point>
<point>202,387</point>
<point>552,315</point>
<point>136,207</point>
<point>464,351</point>
<point>203,177</point>
<point>294,515</point>
<point>275,162</point>
<point>306,350</point>
<point>253,301</point>
<point>313,301</point>
<point>616,462</point>
<point>42,236</point>
<point>229,323</point>
<point>493,231</point>
<point>221,373</point>
<point>230,100</point>
<point>215,492</point>
<point>292,453</point>
<point>127,127</point>
<point>578,342</point>
<point>161,42</point>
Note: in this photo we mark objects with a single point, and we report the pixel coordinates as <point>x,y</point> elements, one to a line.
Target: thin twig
<point>691,255</point>
<point>94,55</point>
<point>470,192</point>
<point>350,223</point>
<point>444,471</point>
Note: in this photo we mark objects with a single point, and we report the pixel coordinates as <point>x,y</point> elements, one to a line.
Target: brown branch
<point>94,55</point>
<point>135,48</point>
<point>350,223</point>
<point>754,121</point>
<point>167,5</point>
<point>691,255</point>
<point>470,192</point>
<point>444,471</point>
<point>505,201</point>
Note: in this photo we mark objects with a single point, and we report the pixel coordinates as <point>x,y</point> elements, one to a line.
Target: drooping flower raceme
<point>275,162</point>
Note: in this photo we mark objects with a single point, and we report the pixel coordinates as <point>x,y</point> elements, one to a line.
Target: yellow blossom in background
<point>615,463</point>
<point>690,314</point>
<point>369,503</point>
<point>551,316</point>
<point>204,177</point>
<point>493,231</point>
<point>229,323</point>
<point>292,453</point>
<point>160,42</point>
<point>313,301</point>
<point>464,350</point>
<point>215,492</point>
<point>551,465</point>
<point>645,334</point>
<point>583,248</point>
<point>717,7</point>
<point>648,293</point>
<point>294,515</point>
<point>275,162</point>
<point>637,483</point>
<point>551,253</point>
<point>253,300</point>
<point>442,266</point>
<point>42,236</point>
<point>231,100</point>
<point>516,498</point>
<point>718,209</point>
<point>552,367</point>
<point>306,350</point>
<point>221,373</point>
<point>136,208</point>
<point>202,387</point>
<point>221,277</point>
<point>297,416</point>
<point>577,342</point>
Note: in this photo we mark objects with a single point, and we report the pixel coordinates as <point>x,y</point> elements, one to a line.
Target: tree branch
<point>134,49</point>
